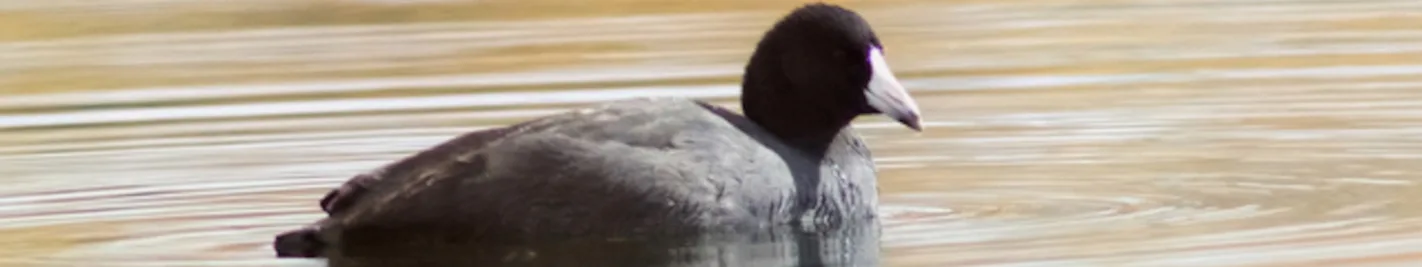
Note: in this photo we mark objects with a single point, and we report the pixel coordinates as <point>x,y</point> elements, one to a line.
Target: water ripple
<point>1059,133</point>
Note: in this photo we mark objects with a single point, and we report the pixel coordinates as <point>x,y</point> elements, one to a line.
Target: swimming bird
<point>650,165</point>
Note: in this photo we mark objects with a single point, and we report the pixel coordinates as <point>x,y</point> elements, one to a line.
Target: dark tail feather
<point>300,243</point>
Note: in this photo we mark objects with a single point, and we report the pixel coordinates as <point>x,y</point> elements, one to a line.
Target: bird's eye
<point>845,54</point>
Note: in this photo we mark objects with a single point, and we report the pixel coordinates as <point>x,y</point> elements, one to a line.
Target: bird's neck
<point>770,100</point>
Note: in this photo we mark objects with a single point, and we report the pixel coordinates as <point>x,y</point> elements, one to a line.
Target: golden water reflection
<point>1060,133</point>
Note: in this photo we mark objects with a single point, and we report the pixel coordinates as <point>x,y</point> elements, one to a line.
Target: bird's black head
<point>816,70</point>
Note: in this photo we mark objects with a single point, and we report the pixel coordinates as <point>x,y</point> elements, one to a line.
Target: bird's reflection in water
<point>856,245</point>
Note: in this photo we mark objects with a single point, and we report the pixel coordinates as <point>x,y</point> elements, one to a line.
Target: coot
<point>649,165</point>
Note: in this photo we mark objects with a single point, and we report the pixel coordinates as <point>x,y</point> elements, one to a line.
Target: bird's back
<point>645,165</point>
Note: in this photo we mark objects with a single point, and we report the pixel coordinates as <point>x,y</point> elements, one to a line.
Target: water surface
<point>1058,133</point>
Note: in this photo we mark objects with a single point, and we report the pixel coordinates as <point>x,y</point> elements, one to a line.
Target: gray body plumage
<point>624,168</point>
